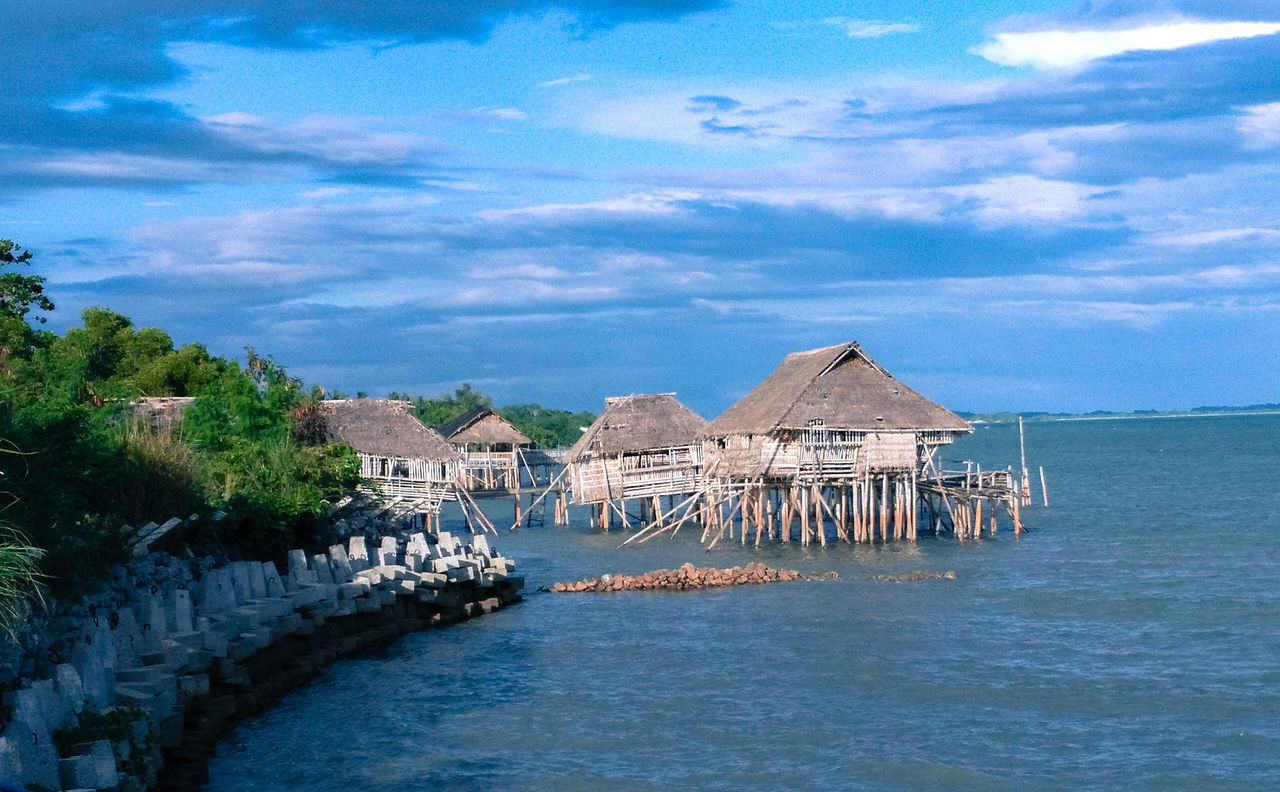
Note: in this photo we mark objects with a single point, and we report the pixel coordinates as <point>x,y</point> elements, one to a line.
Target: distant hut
<point>642,447</point>
<point>829,438</point>
<point>161,412</point>
<point>489,446</point>
<point>414,469</point>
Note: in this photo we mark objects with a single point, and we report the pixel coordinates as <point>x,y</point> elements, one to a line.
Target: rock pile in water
<point>688,577</point>
<point>914,576</point>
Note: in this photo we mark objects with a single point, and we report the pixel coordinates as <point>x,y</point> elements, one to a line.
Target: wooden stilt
<point>804,516</point>
<point>884,508</point>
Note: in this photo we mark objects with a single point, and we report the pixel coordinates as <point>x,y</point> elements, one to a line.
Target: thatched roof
<point>382,427</point>
<point>638,423</point>
<point>482,426</point>
<point>840,386</point>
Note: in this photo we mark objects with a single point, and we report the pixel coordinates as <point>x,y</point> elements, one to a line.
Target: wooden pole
<point>884,508</point>
<point>1044,490</point>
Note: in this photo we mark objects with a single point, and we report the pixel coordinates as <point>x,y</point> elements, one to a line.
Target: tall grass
<point>19,578</point>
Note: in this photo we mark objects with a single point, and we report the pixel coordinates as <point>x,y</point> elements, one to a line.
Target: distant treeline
<point>1012,417</point>
<point>546,427</point>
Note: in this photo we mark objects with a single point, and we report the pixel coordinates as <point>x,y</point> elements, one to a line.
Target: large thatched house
<point>642,446</point>
<point>829,438</point>
<point>827,414</point>
<point>410,463</point>
<point>489,446</point>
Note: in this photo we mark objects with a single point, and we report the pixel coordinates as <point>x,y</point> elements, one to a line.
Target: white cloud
<point>1052,49</point>
<point>1215,237</point>
<point>870,28</point>
<point>1015,199</point>
<point>1261,125</point>
<point>577,78</point>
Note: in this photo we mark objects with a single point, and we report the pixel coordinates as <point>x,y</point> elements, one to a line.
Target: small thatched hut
<point>642,446</point>
<point>489,446</point>
<point>410,463</point>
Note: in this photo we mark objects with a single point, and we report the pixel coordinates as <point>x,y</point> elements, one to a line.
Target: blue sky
<point>1030,206</point>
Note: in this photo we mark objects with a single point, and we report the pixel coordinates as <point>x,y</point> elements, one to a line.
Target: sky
<point>1012,205</point>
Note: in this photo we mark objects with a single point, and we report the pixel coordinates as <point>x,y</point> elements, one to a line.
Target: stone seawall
<point>146,689</point>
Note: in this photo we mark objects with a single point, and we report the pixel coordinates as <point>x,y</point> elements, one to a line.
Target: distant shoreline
<point>1003,418</point>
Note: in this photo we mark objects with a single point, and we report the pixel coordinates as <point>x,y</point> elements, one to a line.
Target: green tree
<point>19,293</point>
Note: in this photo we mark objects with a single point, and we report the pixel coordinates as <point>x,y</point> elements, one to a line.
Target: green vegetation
<point>81,465</point>
<point>19,577</point>
<point>547,428</point>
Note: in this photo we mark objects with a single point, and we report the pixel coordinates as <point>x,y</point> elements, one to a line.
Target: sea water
<point>1130,640</point>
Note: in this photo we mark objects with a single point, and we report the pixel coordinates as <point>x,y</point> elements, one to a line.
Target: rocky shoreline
<point>687,577</point>
<point>133,692</point>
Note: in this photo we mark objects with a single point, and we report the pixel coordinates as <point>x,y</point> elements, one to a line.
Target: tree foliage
<point>547,428</point>
<point>81,466</point>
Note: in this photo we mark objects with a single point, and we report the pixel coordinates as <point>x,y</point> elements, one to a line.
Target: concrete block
<point>370,603</point>
<point>217,642</point>
<point>217,593</point>
<point>389,551</point>
<point>104,763</point>
<point>433,579</point>
<point>264,636</point>
<point>427,595</point>
<point>345,607</point>
<point>155,620</point>
<point>242,648</point>
<point>324,572</point>
<point>299,572</point>
<point>70,689</point>
<point>319,611</point>
<point>273,608</point>
<point>240,580</point>
<point>306,595</point>
<point>127,638</point>
<point>257,579</point>
<point>480,545</point>
<point>182,614</point>
<point>275,588</point>
<point>386,597</point>
<point>289,624</point>
<point>357,554</point>
<point>194,685</point>
<point>78,772</point>
<point>340,564</point>
<point>95,660</point>
<point>356,588</point>
<point>27,755</point>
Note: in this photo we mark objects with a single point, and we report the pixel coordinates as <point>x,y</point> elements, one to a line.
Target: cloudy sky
<point>1038,205</point>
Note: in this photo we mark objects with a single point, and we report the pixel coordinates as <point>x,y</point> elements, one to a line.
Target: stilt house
<point>825,414</point>
<point>642,446</point>
<point>829,438</point>
<point>413,467</point>
<point>489,446</point>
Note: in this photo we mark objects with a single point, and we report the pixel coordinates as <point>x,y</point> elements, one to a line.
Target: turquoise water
<point>1132,640</point>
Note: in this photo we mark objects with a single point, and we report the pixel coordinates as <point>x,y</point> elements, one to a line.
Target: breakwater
<point>136,693</point>
<point>687,577</point>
